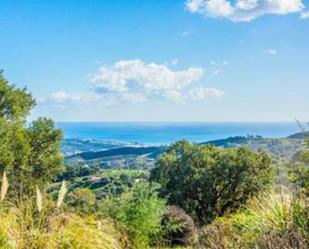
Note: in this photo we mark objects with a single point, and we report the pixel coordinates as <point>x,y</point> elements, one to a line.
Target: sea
<point>162,133</point>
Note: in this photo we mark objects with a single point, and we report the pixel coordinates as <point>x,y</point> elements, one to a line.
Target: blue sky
<point>159,60</point>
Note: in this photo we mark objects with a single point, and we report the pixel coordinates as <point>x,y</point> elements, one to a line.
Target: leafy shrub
<point>82,200</point>
<point>177,227</point>
<point>139,211</point>
<point>299,172</point>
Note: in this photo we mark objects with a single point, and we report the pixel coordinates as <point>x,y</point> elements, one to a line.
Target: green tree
<point>30,154</point>
<point>15,103</point>
<point>208,181</point>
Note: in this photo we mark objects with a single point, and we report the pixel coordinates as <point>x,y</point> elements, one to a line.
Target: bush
<point>220,234</point>
<point>82,200</point>
<point>299,173</point>
<point>289,239</point>
<point>177,227</point>
<point>139,212</point>
<point>268,219</point>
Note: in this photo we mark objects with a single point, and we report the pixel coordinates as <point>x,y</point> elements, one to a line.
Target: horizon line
<point>176,121</point>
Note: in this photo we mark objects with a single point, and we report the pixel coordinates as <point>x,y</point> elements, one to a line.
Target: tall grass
<point>38,225</point>
<point>19,229</point>
<point>4,187</point>
<point>39,199</point>
<point>267,221</point>
<point>61,194</point>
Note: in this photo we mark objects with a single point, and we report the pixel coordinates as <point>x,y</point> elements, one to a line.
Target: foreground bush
<point>23,227</point>
<point>139,212</point>
<point>82,200</point>
<point>270,220</point>
<point>177,227</point>
<point>38,222</point>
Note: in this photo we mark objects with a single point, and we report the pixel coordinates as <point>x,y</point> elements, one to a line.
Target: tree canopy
<point>208,181</point>
<point>299,172</point>
<point>15,103</point>
<point>29,153</point>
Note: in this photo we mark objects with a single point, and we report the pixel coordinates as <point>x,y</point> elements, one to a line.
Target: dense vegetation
<point>30,154</point>
<point>196,196</point>
<point>208,182</point>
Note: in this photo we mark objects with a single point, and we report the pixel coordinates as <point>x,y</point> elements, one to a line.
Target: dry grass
<point>270,221</point>
<point>20,229</point>
<point>30,225</point>
<point>4,187</point>
<point>289,239</point>
<point>61,195</point>
<point>39,199</point>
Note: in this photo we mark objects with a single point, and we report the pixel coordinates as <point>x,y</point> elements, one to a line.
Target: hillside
<point>120,155</point>
<point>283,148</point>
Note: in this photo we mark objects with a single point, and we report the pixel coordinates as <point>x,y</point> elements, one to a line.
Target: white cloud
<point>219,63</point>
<point>213,63</point>
<point>304,15</point>
<point>202,93</point>
<point>217,66</point>
<point>134,81</point>
<point>175,62</point>
<point>185,33</point>
<point>246,4</point>
<point>243,10</point>
<point>63,97</point>
<point>65,100</point>
<point>135,76</point>
<point>219,8</point>
<point>216,71</point>
<point>270,51</point>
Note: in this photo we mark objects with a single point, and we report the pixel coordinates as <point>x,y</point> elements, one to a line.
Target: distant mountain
<point>151,152</point>
<point>73,146</point>
<point>230,141</point>
<point>299,135</point>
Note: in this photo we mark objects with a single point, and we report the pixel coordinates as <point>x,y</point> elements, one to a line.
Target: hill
<point>299,135</point>
<point>120,155</point>
<point>151,152</point>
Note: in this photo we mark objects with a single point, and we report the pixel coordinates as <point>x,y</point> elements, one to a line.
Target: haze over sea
<point>166,132</point>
